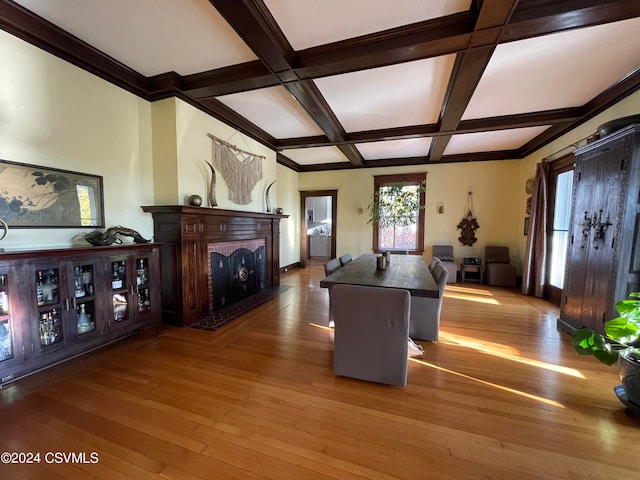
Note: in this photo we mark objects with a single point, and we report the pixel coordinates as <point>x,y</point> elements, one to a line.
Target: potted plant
<point>620,343</point>
<point>395,206</point>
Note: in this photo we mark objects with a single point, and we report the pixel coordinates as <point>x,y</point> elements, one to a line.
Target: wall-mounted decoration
<point>43,197</point>
<point>241,169</point>
<point>468,224</point>
<point>528,188</point>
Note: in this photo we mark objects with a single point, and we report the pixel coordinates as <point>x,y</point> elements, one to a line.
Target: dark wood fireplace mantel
<point>184,233</point>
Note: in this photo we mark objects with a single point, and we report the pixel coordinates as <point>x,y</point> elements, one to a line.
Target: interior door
<point>306,220</point>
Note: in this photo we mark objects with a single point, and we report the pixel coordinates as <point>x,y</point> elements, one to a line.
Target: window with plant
<point>397,212</point>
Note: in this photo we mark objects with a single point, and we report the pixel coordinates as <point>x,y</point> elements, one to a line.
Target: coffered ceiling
<point>334,84</point>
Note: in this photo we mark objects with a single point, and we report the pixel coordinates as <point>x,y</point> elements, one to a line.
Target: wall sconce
<point>440,208</point>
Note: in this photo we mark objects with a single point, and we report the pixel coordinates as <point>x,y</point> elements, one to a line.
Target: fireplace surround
<point>188,237</point>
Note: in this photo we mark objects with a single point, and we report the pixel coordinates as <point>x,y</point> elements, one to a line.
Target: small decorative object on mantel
<point>468,224</point>
<point>241,174</point>
<point>279,211</point>
<point>194,200</point>
<point>99,239</point>
<point>266,197</point>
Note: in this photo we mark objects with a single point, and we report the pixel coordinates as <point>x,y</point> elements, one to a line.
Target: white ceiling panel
<point>410,147</point>
<point>399,95</point>
<point>492,141</point>
<point>274,110</point>
<point>150,36</point>
<point>308,23</point>
<point>315,156</point>
<point>555,71</point>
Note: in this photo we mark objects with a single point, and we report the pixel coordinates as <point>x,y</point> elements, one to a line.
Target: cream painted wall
<point>194,147</point>
<point>564,145</point>
<point>289,201</point>
<point>53,114</point>
<point>492,184</point>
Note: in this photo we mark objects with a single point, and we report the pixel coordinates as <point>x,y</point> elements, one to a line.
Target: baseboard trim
<point>286,268</point>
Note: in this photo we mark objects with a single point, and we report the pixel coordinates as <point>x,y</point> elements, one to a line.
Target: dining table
<point>407,272</point>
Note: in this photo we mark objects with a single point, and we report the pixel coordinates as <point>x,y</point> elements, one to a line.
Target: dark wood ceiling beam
<point>467,71</point>
<point>287,162</point>
<point>566,15</point>
<point>232,79</point>
<point>252,21</point>
<point>223,113</point>
<point>421,40</point>
<point>505,122</point>
<point>521,120</point>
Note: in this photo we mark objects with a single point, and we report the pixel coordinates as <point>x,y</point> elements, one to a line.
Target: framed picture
<point>526,225</point>
<point>43,197</point>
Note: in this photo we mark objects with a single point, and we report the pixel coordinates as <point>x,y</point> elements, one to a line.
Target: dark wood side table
<point>472,268</point>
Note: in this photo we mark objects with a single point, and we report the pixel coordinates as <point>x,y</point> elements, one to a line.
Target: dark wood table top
<point>409,272</point>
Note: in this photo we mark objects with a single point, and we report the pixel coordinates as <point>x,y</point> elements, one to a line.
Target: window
<point>560,231</point>
<point>408,235</point>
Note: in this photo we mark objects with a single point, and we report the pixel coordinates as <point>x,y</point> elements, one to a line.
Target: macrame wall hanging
<point>468,224</point>
<point>241,170</point>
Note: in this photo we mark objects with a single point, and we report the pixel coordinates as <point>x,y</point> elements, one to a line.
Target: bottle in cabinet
<point>120,296</point>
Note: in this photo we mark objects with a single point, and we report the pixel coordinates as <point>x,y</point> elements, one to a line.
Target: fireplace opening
<point>237,271</point>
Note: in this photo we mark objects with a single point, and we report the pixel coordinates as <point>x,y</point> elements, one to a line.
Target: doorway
<point>318,225</point>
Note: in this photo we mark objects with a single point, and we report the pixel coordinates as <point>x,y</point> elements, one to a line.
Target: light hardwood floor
<point>501,396</point>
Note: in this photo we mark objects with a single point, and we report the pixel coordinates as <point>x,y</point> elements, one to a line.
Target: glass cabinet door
<point>143,287</point>
<point>119,291</point>
<point>6,327</point>
<point>84,300</point>
<point>48,294</point>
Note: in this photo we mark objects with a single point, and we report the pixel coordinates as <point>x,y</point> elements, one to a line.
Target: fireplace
<point>236,271</point>
<point>196,239</point>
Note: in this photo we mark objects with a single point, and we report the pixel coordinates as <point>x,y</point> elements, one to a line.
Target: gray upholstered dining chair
<point>425,311</point>
<point>331,266</point>
<point>346,258</point>
<point>433,262</point>
<point>445,254</point>
<point>371,333</point>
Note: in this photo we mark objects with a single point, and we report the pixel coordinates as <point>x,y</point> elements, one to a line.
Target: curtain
<point>535,255</point>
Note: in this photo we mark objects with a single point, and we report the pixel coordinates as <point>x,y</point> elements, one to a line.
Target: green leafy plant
<point>622,334</point>
<point>395,205</point>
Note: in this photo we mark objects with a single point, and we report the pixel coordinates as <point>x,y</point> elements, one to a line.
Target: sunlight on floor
<point>458,296</point>
<point>467,290</point>
<point>503,351</point>
<point>494,385</point>
<point>470,294</point>
<point>322,327</point>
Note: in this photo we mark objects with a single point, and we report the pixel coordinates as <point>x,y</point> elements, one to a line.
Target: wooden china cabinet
<point>58,303</point>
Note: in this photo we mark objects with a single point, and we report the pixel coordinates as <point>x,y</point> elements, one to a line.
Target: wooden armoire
<point>603,257</point>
